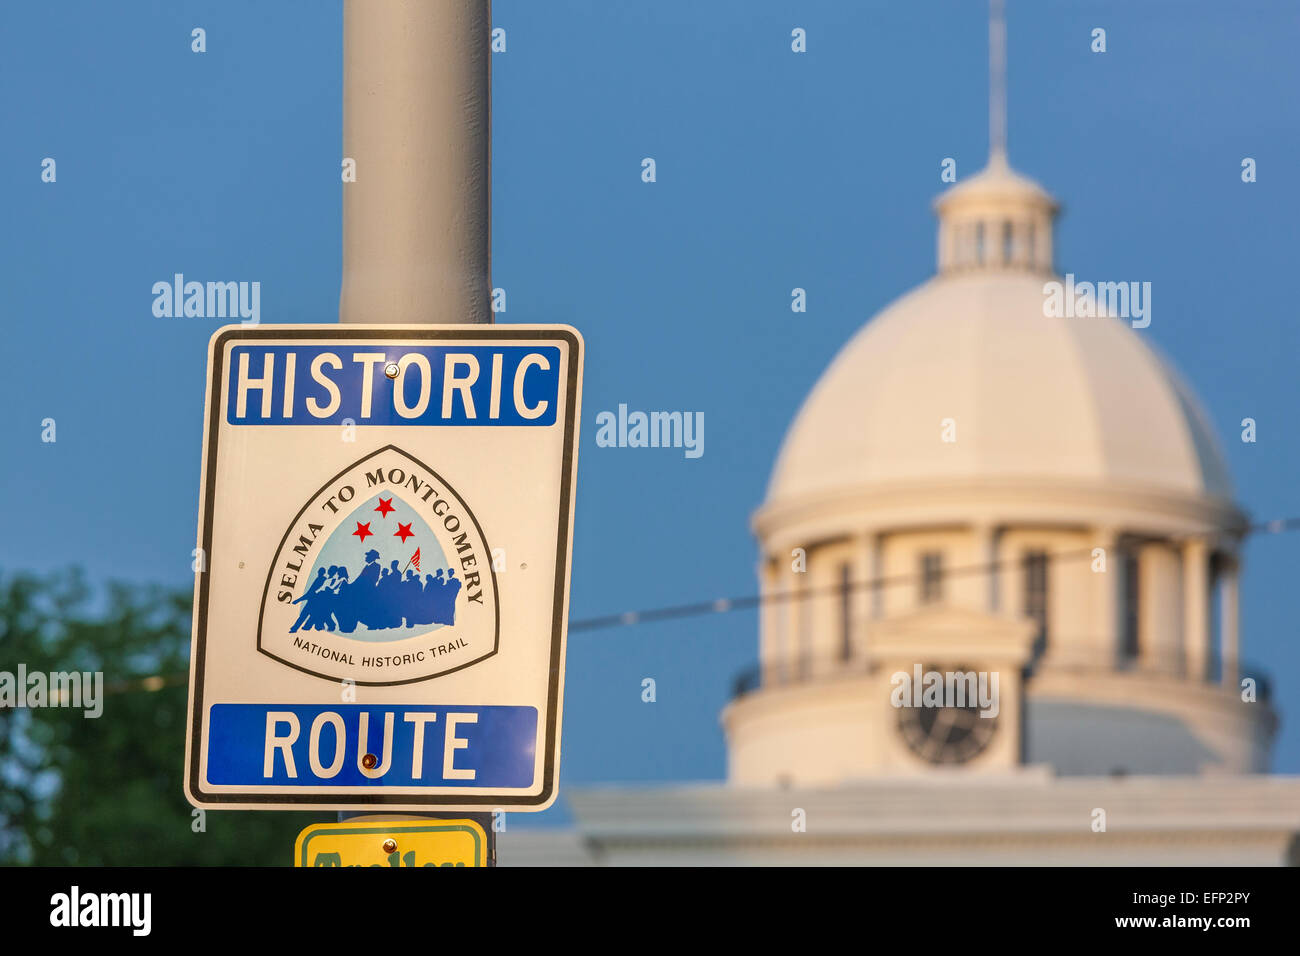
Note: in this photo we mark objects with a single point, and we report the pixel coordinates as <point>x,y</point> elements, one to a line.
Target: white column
<point>1229,642</point>
<point>792,586</point>
<point>986,553</point>
<point>862,602</point>
<point>876,564</point>
<point>801,624</point>
<point>1196,607</point>
<point>416,109</point>
<point>787,583</point>
<point>769,644</point>
<point>1022,254</point>
<point>1040,241</point>
<point>1160,628</point>
<point>1103,648</point>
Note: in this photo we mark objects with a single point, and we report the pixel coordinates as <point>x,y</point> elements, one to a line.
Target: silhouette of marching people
<point>378,599</point>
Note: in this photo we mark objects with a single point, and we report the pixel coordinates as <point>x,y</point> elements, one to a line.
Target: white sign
<point>381,600</point>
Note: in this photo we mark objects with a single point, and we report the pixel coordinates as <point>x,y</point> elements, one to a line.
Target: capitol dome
<point>981,485</point>
<point>1082,400</point>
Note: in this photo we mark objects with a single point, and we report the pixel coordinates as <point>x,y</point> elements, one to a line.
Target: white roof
<point>996,182</point>
<point>1074,399</point>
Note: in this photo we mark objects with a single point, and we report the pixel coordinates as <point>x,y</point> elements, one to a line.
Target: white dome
<point>1032,397</point>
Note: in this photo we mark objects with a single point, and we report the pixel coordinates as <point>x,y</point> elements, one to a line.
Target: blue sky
<point>775,170</point>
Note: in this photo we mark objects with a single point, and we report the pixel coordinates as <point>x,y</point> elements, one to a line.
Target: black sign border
<point>415,333</point>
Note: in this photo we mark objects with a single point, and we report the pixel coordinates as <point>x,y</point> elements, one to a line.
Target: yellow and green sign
<point>392,843</point>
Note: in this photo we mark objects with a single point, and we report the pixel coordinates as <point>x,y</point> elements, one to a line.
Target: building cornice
<point>995,501</point>
<point>960,803</point>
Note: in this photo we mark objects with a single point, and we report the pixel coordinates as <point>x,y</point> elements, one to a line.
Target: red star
<point>385,506</point>
<point>403,531</point>
<point>363,530</point>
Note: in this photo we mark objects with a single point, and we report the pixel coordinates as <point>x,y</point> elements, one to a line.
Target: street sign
<point>392,843</point>
<point>382,591</point>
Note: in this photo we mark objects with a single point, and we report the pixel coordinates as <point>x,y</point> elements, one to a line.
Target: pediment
<point>949,633</point>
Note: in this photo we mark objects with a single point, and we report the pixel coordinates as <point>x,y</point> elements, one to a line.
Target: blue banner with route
<point>411,745</point>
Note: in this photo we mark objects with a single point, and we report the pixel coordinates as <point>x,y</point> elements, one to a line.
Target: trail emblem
<point>383,577</point>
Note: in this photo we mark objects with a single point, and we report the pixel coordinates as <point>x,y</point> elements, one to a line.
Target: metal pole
<point>417,123</point>
<point>417,97</point>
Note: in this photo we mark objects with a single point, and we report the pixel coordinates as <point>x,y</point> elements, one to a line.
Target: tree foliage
<point>107,790</point>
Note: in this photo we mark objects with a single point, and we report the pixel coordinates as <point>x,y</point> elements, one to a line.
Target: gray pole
<point>417,121</point>
<point>417,96</point>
